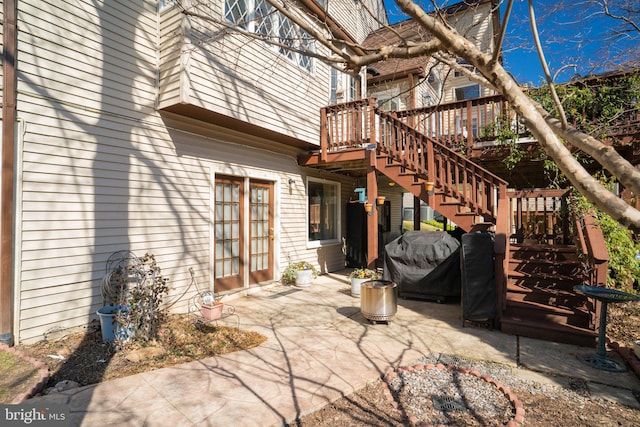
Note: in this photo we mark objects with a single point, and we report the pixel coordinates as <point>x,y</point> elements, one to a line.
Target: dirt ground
<point>84,359</point>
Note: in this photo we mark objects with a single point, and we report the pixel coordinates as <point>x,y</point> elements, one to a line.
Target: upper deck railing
<point>468,124</point>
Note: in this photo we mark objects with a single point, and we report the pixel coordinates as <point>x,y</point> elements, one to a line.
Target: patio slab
<point>320,348</point>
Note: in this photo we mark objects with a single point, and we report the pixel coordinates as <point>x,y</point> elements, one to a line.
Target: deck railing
<point>468,124</point>
<point>348,125</point>
<point>539,216</point>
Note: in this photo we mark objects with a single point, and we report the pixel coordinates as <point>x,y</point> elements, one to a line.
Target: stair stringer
<point>416,185</point>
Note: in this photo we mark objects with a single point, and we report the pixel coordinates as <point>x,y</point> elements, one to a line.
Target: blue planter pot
<point>111,330</point>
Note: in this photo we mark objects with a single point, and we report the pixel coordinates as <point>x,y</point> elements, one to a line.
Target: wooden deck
<point>436,155</point>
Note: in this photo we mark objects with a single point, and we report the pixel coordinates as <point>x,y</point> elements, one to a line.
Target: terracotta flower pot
<point>212,312</point>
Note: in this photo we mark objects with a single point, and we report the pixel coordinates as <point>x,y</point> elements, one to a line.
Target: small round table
<point>605,296</point>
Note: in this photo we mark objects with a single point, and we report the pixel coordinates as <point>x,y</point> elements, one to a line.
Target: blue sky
<point>571,41</point>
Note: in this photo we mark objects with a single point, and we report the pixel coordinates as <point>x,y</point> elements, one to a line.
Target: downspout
<point>6,179</point>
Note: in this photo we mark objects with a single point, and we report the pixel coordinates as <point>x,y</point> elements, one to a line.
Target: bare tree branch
<point>545,67</point>
<point>503,30</point>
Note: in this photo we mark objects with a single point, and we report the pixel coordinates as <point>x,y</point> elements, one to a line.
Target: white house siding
<point>100,170</point>
<point>232,153</point>
<point>170,58</point>
<point>475,24</point>
<point>95,173</point>
<point>398,90</point>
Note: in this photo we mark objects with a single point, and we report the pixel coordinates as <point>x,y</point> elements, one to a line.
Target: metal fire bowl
<point>379,300</point>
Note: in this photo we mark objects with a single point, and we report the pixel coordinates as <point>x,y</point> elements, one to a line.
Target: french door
<point>228,233</point>
<point>261,232</point>
<point>243,232</point>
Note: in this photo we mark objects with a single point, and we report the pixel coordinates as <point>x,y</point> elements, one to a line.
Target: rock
<point>143,354</point>
<point>65,351</point>
<point>66,385</point>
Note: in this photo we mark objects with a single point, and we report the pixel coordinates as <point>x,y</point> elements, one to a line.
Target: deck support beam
<point>372,217</point>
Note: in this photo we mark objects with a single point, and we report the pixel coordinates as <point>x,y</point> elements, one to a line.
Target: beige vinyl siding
<point>355,19</point>
<point>281,97</point>
<point>476,25</point>
<point>79,207</point>
<point>399,90</point>
<point>170,60</point>
<point>100,170</point>
<point>230,158</point>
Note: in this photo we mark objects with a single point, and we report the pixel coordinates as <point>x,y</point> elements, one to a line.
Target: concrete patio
<point>319,348</point>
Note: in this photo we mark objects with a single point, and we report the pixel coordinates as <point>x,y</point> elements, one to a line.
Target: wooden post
<point>469,141</point>
<point>501,249</point>
<point>416,213</point>
<point>324,134</point>
<point>6,176</point>
<point>372,219</point>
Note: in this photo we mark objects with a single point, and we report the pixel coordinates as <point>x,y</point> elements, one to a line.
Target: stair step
<point>569,272</point>
<point>545,261</point>
<point>548,277</point>
<point>558,287</point>
<point>548,331</point>
<point>527,302</point>
<point>543,287</point>
<point>543,252</point>
<point>452,203</point>
<point>549,303</point>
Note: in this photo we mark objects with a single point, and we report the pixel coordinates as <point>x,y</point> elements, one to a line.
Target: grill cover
<point>424,265</point>
<point>478,282</point>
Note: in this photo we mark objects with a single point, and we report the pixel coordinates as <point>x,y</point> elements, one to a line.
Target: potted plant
<point>361,275</point>
<point>211,308</point>
<point>300,273</point>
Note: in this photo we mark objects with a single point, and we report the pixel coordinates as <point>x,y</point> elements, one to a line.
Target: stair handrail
<point>388,132</point>
<point>359,123</point>
<point>592,245</point>
<point>437,163</point>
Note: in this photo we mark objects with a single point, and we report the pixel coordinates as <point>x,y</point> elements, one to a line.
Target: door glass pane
<point>259,227</point>
<point>227,229</point>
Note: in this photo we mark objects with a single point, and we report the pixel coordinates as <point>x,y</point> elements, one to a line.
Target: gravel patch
<point>432,393</point>
<point>442,389</point>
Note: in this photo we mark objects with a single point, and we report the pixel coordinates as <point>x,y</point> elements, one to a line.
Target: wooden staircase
<point>540,300</point>
<point>464,192</point>
<point>456,210</point>
<point>534,283</point>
